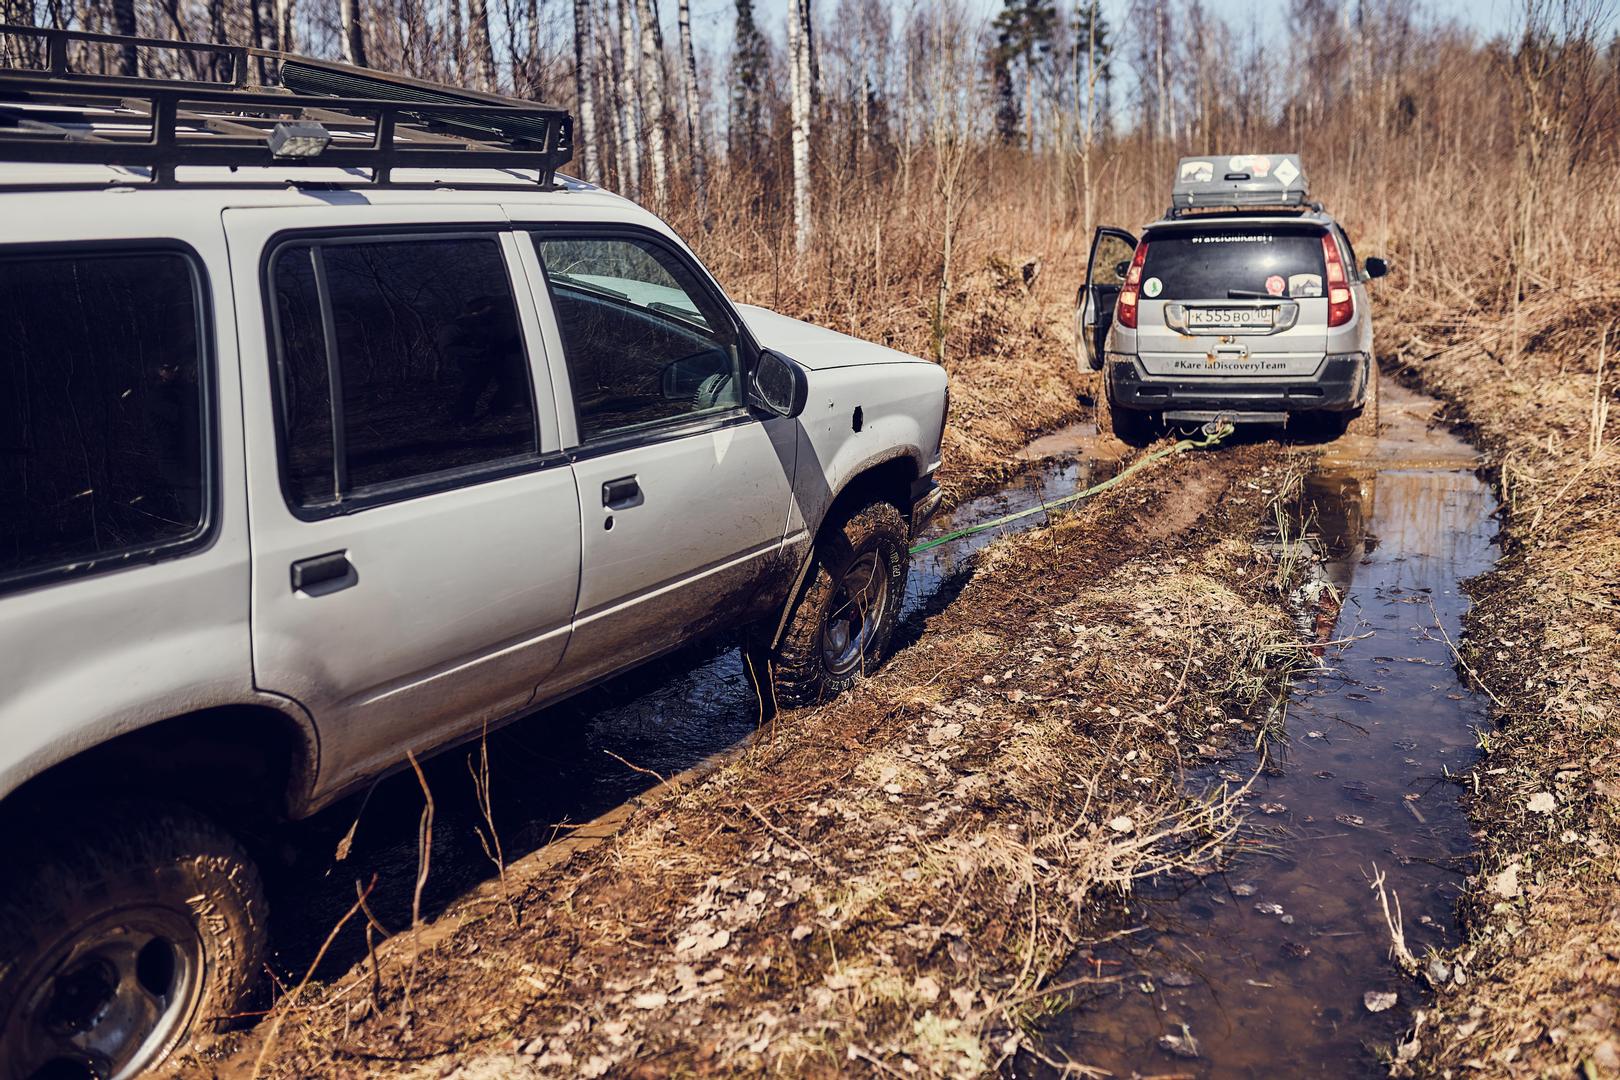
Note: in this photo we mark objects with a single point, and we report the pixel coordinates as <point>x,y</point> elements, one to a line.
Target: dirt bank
<point>886,883</point>
<point>1536,990</point>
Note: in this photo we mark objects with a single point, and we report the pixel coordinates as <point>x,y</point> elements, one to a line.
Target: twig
<point>424,860</point>
<point>1397,931</point>
<point>790,838</point>
<point>275,1025</point>
<point>645,772</point>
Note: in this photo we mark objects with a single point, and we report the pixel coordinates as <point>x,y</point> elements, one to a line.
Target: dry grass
<point>895,881</point>
<point>1534,990</point>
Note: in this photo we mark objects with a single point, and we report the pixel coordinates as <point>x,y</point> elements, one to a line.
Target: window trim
<point>655,431</point>
<point>434,483</point>
<point>207,529</point>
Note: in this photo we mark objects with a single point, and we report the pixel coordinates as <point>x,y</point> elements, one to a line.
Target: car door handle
<point>322,574</point>
<point>621,493</point>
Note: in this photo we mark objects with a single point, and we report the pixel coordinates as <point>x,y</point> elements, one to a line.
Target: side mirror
<point>1376,267</point>
<point>778,385</point>
<point>1122,268</point>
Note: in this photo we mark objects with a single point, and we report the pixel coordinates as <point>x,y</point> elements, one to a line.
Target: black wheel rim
<point>849,631</point>
<point>110,1000</point>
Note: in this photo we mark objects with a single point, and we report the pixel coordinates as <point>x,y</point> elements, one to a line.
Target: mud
<point>568,777</point>
<point>1264,969</point>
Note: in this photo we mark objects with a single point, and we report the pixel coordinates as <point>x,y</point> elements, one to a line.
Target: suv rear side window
<point>102,413</point>
<point>400,361</point>
<point>1240,262</point>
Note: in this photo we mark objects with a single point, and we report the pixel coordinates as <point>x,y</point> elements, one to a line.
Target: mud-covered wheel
<point>1129,426</point>
<point>125,933</point>
<point>841,625</point>
<point>1365,422</point>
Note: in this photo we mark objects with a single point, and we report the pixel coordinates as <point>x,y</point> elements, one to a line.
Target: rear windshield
<point>1241,262</point>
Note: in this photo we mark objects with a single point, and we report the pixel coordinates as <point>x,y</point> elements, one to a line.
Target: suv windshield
<point>1252,261</point>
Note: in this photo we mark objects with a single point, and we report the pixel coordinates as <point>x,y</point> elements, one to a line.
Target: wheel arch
<point>246,763</point>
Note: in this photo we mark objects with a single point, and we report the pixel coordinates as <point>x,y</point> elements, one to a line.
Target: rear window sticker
<point>1199,172</point>
<point>1275,284</point>
<point>1232,238</point>
<point>1305,285</point>
<point>1152,287</point>
<point>1286,172</point>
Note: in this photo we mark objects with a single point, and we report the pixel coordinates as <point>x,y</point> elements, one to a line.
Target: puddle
<point>573,763</point>
<point>1266,966</point>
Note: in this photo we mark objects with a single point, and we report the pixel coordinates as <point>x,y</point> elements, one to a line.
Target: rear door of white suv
<point>415,525</point>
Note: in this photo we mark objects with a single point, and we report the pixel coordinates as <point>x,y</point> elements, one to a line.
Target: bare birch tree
<point>353,37</point>
<point>652,98</point>
<point>284,26</point>
<point>627,118</point>
<point>483,50</point>
<point>584,93</point>
<point>689,87</point>
<point>799,72</point>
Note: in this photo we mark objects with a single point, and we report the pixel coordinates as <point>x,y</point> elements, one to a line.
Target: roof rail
<point>323,114</point>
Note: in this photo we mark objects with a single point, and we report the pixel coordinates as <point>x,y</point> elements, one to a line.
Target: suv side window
<point>645,341</point>
<point>400,361</point>
<point>103,414</point>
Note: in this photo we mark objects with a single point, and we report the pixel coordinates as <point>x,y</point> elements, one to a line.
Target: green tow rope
<point>1212,434</point>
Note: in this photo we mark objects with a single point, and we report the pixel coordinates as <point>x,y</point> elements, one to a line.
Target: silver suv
<point>1244,303</point>
<point>333,430</point>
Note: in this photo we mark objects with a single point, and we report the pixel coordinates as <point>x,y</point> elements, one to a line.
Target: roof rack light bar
<point>376,121</point>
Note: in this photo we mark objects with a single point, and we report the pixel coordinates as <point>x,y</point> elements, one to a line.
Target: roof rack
<point>326,115</point>
<point>1242,182</point>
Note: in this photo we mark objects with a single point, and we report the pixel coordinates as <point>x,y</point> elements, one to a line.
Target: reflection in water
<point>1267,964</point>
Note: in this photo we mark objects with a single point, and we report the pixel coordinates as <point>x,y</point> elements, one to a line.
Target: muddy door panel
<point>1111,251</point>
<point>415,526</point>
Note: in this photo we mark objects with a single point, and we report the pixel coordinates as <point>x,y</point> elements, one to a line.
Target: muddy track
<point>896,876</point>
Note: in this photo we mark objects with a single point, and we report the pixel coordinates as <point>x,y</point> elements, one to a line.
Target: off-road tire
<point>799,667</point>
<point>107,866</point>
<point>1129,426</point>
<point>1365,422</point>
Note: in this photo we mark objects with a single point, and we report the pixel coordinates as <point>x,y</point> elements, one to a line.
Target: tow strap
<point>1211,434</point>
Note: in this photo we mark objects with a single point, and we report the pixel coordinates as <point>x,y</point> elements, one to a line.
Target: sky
<point>712,19</point>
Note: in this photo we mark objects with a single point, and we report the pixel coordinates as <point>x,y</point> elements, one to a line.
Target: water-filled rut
<point>1280,965</point>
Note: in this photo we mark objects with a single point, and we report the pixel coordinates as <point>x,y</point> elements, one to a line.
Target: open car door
<point>1111,251</point>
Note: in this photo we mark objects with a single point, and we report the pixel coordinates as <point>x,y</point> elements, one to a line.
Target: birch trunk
<point>353,38</point>
<point>584,94</point>
<point>799,94</point>
<point>458,51</point>
<point>689,83</point>
<point>483,49</point>
<point>284,26</point>
<point>652,98</point>
<point>629,101</point>
<point>123,13</point>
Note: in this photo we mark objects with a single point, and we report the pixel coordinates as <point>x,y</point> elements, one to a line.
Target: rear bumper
<point>1340,384</point>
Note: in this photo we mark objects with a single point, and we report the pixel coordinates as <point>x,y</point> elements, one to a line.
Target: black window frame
<point>429,483</point>
<point>207,530</point>
<point>675,427</point>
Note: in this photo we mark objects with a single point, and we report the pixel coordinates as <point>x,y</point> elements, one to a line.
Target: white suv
<point>307,467</point>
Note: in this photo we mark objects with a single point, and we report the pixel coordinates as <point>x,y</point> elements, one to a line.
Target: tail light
<point>1126,312</point>
<point>1340,303</point>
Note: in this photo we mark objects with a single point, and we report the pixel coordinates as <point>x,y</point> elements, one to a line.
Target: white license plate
<point>1244,318</point>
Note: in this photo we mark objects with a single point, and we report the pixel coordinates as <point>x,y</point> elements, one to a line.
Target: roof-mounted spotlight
<point>298,139</point>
